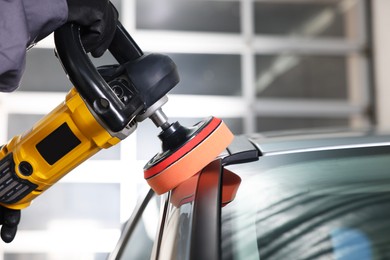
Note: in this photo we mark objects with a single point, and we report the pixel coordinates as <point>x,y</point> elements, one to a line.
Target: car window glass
<point>313,205</point>
<point>140,244</point>
<point>276,123</point>
<point>208,74</point>
<point>303,18</point>
<point>176,239</point>
<point>302,76</point>
<point>190,15</point>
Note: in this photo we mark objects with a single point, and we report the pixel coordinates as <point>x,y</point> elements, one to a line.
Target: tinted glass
<point>177,233</point>
<point>313,205</point>
<point>301,76</point>
<point>306,19</point>
<point>140,244</point>
<point>208,74</point>
<point>190,15</point>
<point>288,123</point>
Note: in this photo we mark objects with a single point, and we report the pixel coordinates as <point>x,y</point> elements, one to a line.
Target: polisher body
<point>102,109</point>
<point>32,162</point>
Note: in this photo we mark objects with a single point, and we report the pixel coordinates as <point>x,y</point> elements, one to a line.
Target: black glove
<point>9,218</point>
<point>98,20</point>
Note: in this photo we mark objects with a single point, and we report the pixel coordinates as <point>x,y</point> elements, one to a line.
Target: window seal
<point>130,226</point>
<point>206,231</point>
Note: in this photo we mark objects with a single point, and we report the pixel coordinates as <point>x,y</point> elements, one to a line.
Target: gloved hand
<point>98,20</point>
<point>9,219</point>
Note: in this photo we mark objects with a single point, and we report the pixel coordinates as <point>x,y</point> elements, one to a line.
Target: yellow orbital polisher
<point>103,108</point>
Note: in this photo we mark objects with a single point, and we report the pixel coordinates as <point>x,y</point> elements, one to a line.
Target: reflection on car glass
<point>325,208</point>
<point>310,227</point>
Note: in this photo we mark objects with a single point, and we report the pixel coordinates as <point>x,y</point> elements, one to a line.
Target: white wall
<point>381,32</point>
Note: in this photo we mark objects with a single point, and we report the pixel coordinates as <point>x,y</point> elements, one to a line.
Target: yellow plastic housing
<point>92,136</point>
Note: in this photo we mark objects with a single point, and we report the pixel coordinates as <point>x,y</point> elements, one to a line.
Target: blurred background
<point>260,65</point>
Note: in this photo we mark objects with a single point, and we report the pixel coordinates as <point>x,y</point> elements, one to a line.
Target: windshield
<point>313,205</point>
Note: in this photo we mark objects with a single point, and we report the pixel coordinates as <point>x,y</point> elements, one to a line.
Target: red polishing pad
<point>166,170</point>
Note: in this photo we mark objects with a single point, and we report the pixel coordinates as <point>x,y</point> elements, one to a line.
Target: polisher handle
<point>93,88</point>
<point>123,47</point>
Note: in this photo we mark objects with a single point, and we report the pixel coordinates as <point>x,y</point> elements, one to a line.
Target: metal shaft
<point>160,119</point>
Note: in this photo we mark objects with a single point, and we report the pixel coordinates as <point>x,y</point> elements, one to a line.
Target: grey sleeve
<point>23,22</point>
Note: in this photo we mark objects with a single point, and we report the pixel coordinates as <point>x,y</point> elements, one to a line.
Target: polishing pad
<point>205,141</point>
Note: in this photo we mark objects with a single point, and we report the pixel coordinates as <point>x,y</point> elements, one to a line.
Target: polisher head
<point>185,152</point>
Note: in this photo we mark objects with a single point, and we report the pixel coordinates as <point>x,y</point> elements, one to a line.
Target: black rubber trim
<point>241,150</point>
<point>130,226</point>
<point>206,231</point>
<point>123,47</point>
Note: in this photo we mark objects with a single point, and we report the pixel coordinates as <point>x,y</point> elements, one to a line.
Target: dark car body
<point>321,195</point>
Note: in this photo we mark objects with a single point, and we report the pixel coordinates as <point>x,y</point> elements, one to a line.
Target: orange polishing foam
<point>168,169</point>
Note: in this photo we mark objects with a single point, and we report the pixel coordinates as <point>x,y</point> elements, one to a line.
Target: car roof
<point>279,142</point>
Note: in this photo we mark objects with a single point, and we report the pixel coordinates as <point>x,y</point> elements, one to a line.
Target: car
<point>320,194</point>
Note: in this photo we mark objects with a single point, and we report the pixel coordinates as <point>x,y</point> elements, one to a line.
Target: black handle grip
<point>87,80</point>
<point>123,47</point>
<point>12,187</point>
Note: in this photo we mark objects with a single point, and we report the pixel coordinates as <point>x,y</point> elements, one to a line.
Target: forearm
<point>44,16</point>
<point>23,22</point>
